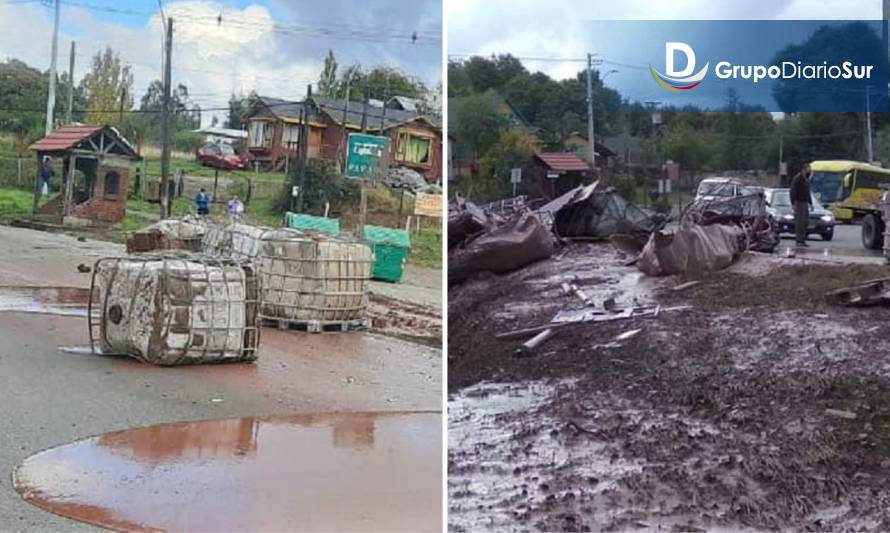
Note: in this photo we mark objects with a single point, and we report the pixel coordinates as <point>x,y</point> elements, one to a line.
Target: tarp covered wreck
<point>598,212</point>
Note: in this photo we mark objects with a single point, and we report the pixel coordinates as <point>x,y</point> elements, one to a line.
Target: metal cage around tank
<point>313,279</point>
<point>176,308</point>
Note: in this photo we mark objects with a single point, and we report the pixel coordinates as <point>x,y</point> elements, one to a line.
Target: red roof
<point>64,138</point>
<point>563,161</point>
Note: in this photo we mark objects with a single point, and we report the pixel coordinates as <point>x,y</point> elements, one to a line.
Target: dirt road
<point>760,407</point>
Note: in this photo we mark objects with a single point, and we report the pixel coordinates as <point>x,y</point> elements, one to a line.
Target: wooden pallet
<point>315,326</point>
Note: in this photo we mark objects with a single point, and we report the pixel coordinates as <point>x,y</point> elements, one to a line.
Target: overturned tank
<point>175,308</point>
<point>313,279</point>
<point>185,233</point>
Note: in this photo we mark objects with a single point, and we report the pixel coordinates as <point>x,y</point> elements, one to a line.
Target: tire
<point>828,235</point>
<point>872,232</point>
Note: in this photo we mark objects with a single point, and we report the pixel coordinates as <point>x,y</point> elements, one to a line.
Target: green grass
<point>151,167</point>
<point>15,203</point>
<point>181,206</point>
<point>426,248</point>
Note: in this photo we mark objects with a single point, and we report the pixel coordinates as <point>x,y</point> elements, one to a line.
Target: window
<point>414,149</point>
<point>290,136</point>
<point>112,183</point>
<point>260,134</point>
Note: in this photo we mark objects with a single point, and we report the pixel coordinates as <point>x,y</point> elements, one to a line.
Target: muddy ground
<point>760,407</point>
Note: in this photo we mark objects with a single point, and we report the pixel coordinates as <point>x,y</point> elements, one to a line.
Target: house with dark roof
<point>274,127</point>
<point>273,130</point>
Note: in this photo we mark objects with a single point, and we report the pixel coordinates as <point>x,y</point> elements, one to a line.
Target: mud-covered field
<point>758,407</point>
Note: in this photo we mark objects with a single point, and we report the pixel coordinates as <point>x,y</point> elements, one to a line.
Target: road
<point>846,247</point>
<point>52,396</point>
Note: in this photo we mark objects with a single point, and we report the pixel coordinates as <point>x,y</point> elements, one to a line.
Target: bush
<point>187,141</point>
<point>322,184</point>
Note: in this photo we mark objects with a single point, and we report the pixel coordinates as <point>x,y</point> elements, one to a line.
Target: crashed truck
<point>508,235</point>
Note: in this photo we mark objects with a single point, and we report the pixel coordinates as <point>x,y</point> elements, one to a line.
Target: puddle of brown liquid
<point>344,472</point>
<point>71,301</point>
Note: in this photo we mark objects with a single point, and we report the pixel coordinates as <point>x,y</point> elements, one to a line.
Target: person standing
<point>236,209</point>
<point>802,202</point>
<point>46,174</point>
<point>202,202</point>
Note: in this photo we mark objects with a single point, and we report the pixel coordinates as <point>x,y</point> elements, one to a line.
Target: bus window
<point>828,186</point>
<point>870,180</point>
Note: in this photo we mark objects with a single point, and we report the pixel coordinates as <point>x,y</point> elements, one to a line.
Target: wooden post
<point>215,182</point>
<point>165,124</point>
<point>37,185</point>
<point>363,210</point>
<point>69,187</point>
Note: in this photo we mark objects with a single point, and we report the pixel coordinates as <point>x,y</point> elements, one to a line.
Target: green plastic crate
<point>301,221</point>
<point>390,247</point>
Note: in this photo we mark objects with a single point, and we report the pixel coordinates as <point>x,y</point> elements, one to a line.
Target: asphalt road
<point>846,246</point>
<point>51,396</point>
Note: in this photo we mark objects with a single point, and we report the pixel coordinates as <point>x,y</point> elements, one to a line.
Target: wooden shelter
<point>103,158</point>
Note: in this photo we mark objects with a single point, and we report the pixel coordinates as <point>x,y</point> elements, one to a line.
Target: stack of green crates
<point>390,247</point>
<point>301,221</point>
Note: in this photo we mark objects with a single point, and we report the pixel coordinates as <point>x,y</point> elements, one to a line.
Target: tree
<point>236,110</point>
<point>327,82</point>
<point>514,148</point>
<point>476,123</point>
<point>381,82</point>
<point>106,86</point>
<point>833,44</point>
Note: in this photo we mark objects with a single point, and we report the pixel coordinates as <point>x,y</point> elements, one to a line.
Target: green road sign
<point>367,156</point>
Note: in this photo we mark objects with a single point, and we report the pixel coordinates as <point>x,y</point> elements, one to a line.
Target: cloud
<point>530,28</point>
<point>247,50</point>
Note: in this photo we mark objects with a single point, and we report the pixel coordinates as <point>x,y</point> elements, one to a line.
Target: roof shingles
<point>563,161</point>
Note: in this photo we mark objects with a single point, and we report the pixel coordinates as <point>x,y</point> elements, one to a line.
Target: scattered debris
<point>628,334</point>
<point>83,269</point>
<point>567,318</point>
<point>513,244</point>
<point>874,292</point>
<point>840,413</point>
<point>684,286</point>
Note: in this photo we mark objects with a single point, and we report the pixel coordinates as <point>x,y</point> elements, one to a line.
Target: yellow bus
<point>852,191</point>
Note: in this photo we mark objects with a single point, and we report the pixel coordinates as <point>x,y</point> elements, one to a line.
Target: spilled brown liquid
<point>343,471</point>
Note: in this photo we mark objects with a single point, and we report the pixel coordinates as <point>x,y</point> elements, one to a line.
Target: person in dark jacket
<point>202,202</point>
<point>46,174</point>
<point>802,201</point>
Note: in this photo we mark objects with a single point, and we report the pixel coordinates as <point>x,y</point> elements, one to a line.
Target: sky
<point>274,47</point>
<point>557,30</point>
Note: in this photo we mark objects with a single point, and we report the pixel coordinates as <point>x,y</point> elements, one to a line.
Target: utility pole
<point>870,145</point>
<point>363,203</point>
<point>590,132</point>
<point>51,97</point>
<point>781,155</point>
<point>165,122</point>
<point>68,113</point>
<point>304,147</point>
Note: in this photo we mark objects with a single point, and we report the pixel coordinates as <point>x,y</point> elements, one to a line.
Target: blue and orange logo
<point>682,80</point>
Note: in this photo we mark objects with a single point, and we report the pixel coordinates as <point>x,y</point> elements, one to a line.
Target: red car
<point>221,156</point>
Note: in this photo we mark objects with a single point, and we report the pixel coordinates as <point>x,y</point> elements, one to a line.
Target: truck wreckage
<point>711,235</point>
<point>507,236</point>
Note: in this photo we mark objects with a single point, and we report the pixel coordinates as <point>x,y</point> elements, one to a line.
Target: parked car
<point>222,156</point>
<point>778,203</point>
